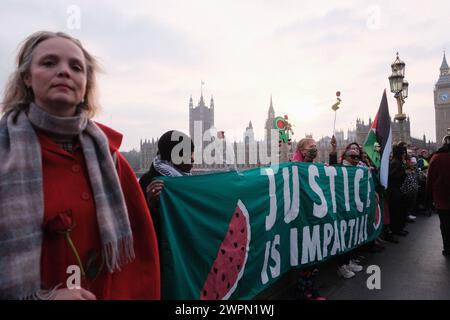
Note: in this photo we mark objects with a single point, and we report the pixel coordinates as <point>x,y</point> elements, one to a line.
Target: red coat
<point>438,180</point>
<point>67,188</point>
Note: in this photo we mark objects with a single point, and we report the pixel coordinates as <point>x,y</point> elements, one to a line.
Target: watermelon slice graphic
<point>229,265</point>
<point>377,217</point>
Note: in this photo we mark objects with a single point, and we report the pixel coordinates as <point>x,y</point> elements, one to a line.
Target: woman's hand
<point>154,190</point>
<point>73,294</point>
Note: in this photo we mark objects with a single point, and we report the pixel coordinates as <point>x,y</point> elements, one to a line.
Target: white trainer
<point>353,266</point>
<point>345,272</point>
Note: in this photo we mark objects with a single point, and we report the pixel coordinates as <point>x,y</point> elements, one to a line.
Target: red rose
<point>61,223</point>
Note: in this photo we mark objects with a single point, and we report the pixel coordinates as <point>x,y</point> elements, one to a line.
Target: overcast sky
<point>156,53</point>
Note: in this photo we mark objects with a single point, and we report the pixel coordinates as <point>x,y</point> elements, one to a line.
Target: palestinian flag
<point>378,143</point>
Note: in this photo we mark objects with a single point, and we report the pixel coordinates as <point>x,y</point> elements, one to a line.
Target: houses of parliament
<point>205,115</point>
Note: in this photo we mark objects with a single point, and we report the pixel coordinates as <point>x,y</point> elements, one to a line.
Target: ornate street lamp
<point>399,86</point>
<point>405,90</point>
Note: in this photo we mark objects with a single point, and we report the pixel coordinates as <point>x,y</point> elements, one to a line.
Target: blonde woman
<point>306,150</point>
<point>73,221</point>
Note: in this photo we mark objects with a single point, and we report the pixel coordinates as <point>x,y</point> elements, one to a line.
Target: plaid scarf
<point>22,199</point>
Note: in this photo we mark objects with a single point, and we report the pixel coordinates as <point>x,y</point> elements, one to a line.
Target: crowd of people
<point>418,183</point>
<point>64,182</point>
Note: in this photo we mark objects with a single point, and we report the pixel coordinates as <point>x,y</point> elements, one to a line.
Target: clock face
<point>444,97</point>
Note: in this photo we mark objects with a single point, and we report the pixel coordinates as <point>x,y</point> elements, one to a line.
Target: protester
<point>387,234</point>
<point>166,163</point>
<point>378,244</point>
<point>67,196</point>
<point>347,262</point>
<point>398,207</point>
<point>422,165</point>
<point>361,160</point>
<point>438,190</point>
<point>423,160</point>
<point>410,187</point>
<point>306,151</point>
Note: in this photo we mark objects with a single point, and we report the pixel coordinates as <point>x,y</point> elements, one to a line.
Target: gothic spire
<point>271,110</point>
<point>201,102</point>
<point>444,66</point>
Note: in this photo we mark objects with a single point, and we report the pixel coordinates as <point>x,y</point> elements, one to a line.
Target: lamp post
<point>399,86</point>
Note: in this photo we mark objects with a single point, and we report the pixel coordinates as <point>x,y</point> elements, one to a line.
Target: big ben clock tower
<point>442,102</point>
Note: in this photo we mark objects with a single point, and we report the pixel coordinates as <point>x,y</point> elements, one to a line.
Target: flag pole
<point>334,124</point>
<point>335,107</point>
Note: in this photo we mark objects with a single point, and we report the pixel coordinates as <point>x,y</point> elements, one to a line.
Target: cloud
<point>155,53</point>
<point>134,39</point>
<point>336,26</point>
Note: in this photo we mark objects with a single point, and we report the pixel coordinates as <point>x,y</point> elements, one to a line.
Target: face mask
<point>312,153</point>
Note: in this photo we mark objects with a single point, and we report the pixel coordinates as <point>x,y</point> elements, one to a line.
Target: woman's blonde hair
<point>17,96</point>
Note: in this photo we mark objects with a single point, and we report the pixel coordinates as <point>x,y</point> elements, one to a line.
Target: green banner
<point>231,235</point>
